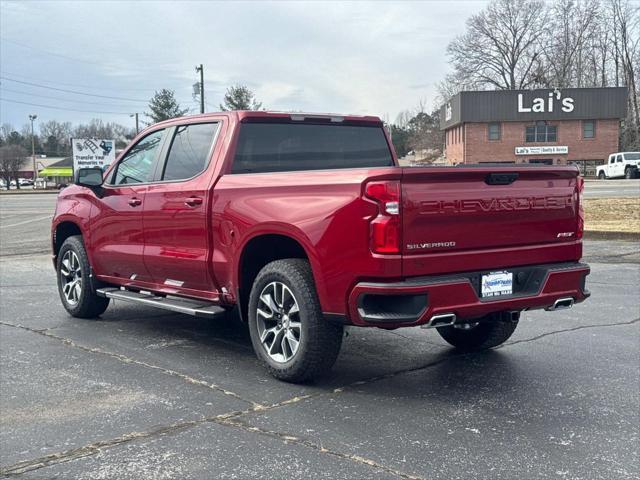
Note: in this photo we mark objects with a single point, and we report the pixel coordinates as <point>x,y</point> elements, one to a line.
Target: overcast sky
<point>363,58</point>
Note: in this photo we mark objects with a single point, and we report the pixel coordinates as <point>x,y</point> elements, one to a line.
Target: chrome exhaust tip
<point>561,304</point>
<point>441,320</point>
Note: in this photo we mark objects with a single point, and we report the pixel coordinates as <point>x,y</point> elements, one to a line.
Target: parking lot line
<point>27,221</point>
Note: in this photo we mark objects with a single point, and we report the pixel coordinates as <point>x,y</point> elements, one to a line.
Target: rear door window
<point>190,151</point>
<point>282,147</point>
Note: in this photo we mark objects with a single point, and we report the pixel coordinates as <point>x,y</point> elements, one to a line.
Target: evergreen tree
<point>164,106</point>
<point>239,97</point>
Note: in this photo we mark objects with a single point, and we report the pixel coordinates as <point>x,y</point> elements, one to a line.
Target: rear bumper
<point>415,301</point>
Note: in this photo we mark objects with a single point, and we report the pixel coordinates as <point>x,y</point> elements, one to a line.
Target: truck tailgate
<point>461,210</point>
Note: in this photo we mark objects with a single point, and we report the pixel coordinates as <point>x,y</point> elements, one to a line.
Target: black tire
<point>88,304</point>
<point>602,176</point>
<point>319,340</point>
<point>629,173</point>
<point>491,331</point>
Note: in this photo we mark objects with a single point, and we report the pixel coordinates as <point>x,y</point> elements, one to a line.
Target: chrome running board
<point>197,308</point>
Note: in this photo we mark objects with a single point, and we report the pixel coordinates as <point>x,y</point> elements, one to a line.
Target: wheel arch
<point>263,248</point>
<point>62,231</point>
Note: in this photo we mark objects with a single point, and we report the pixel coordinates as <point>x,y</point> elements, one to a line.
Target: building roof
<point>41,162</point>
<point>532,105</point>
<point>65,162</point>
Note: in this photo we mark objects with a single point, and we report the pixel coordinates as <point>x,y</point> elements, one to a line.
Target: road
<point>143,393</point>
<point>612,188</point>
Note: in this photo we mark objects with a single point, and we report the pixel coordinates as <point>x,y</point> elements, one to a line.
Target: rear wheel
<point>602,176</point>
<point>629,173</point>
<point>288,331</point>
<point>488,332</point>
<point>74,281</point>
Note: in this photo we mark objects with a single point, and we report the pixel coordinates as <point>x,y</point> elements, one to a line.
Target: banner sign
<point>92,152</point>
<point>552,150</point>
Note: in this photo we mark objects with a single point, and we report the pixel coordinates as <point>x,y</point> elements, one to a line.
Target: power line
<point>3,89</point>
<point>50,82</point>
<point>73,91</point>
<point>160,66</point>
<point>24,45</point>
<point>60,108</point>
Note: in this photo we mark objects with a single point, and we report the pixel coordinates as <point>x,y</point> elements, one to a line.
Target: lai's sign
<point>553,100</point>
<point>553,150</point>
<point>92,152</point>
<point>532,105</point>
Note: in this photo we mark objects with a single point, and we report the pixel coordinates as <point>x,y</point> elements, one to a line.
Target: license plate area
<point>496,284</point>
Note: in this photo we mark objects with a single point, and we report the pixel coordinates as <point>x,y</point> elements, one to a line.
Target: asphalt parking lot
<point>143,393</point>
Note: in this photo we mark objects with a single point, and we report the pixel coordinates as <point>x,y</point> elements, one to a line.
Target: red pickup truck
<point>307,223</point>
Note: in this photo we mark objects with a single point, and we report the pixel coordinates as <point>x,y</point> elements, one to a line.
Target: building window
<point>589,129</point>
<point>541,132</point>
<point>494,131</point>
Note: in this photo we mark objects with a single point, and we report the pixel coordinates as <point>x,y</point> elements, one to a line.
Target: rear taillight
<point>385,228</point>
<point>580,189</point>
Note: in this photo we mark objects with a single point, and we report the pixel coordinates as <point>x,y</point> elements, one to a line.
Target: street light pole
<point>33,149</point>
<point>201,70</point>
<point>137,127</point>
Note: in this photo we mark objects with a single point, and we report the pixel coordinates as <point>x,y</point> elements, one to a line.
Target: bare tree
<point>566,43</point>
<point>55,137</point>
<point>500,47</point>
<point>96,128</point>
<point>424,134</point>
<point>625,23</point>
<point>12,158</point>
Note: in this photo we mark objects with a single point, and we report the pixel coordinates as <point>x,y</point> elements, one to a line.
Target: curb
<point>604,235</point>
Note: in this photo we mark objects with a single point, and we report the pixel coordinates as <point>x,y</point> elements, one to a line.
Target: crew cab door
<point>618,169</point>
<point>177,228</point>
<point>117,235</point>
<point>610,165</point>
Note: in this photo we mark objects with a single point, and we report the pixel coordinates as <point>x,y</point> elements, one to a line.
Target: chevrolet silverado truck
<point>306,223</point>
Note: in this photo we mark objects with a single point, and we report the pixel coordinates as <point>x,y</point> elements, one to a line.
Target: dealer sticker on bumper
<point>496,284</point>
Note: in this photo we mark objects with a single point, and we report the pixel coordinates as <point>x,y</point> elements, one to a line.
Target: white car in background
<point>620,165</point>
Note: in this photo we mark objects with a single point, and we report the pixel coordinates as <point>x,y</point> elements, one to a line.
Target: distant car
<point>620,165</point>
<point>25,182</point>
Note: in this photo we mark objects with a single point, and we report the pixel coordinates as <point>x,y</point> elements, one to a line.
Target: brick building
<point>562,126</point>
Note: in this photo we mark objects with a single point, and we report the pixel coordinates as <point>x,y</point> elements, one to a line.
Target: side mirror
<point>89,177</point>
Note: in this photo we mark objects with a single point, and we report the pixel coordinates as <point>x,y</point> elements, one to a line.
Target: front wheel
<point>288,331</point>
<point>488,332</point>
<point>74,281</point>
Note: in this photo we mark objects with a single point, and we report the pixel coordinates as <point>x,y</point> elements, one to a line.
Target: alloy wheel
<point>71,277</point>
<point>278,322</point>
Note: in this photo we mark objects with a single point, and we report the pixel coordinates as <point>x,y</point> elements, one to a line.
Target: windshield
<point>283,147</point>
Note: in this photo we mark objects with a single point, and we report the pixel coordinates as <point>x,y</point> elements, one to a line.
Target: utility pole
<point>137,125</point>
<point>33,149</point>
<point>201,70</point>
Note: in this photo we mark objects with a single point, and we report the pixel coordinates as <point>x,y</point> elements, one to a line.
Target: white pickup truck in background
<point>620,165</point>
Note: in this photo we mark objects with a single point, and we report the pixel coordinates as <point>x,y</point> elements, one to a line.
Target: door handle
<point>135,202</point>
<point>193,201</point>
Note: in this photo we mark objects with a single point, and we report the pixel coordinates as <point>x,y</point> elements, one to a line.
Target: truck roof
<point>299,116</point>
